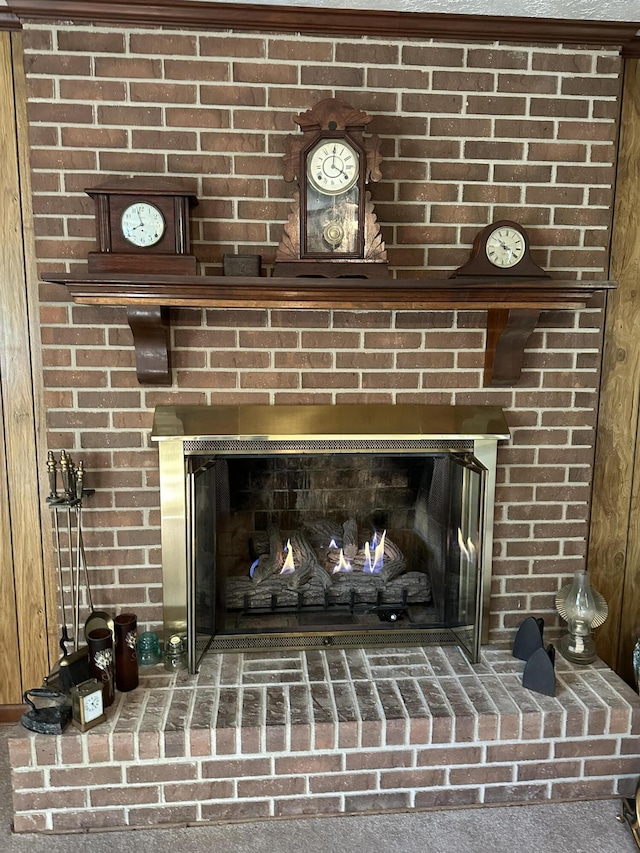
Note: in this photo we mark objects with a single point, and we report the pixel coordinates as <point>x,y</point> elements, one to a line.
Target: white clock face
<point>332,167</point>
<point>93,706</point>
<point>505,247</point>
<point>142,224</point>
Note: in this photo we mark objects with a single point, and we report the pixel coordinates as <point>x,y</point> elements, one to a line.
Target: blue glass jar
<point>149,649</point>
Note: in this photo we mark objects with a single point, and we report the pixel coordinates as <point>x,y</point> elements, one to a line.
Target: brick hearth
<point>265,735</point>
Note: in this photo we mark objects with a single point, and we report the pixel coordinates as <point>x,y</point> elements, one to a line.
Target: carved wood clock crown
<point>332,228</point>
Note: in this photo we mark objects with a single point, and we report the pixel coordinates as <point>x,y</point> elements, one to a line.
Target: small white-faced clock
<point>501,250</point>
<point>142,224</point>
<point>87,705</point>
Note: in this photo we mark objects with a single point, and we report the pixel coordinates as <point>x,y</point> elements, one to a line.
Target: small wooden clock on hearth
<point>332,230</point>
<point>142,226</point>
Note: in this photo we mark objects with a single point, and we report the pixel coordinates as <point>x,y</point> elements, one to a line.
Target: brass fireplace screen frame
<point>185,431</point>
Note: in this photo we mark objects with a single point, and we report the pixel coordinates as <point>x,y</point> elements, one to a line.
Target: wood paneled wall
<point>614,548</point>
<point>25,593</point>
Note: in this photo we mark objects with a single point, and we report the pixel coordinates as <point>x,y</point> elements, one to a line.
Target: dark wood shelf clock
<point>332,230</point>
<point>501,252</point>
<point>143,227</point>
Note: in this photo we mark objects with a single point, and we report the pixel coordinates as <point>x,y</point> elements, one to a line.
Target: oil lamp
<point>583,609</point>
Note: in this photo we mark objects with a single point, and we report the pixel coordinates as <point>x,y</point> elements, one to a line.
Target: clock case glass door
<point>332,223</point>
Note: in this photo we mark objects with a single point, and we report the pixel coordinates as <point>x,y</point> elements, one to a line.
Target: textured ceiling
<point>585,10</point>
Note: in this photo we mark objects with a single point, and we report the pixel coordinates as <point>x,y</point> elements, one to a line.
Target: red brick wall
<point>471,134</point>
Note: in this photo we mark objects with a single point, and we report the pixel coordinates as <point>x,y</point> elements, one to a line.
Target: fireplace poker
<point>66,474</point>
<point>64,637</point>
<point>76,615</point>
<point>56,502</point>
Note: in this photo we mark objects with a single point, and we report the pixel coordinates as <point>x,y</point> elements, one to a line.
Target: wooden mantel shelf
<point>513,306</point>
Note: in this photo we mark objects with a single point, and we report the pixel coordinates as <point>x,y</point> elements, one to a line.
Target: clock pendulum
<point>333,231</point>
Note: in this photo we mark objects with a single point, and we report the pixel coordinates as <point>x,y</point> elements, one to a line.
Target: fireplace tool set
<point>67,515</point>
<point>73,666</point>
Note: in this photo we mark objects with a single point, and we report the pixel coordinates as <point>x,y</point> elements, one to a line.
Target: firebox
<point>310,526</point>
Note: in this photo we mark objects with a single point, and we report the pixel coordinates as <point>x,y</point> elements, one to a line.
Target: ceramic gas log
<point>323,566</point>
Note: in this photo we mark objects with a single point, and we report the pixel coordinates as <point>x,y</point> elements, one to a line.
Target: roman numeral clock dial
<point>505,247</point>
<point>333,167</point>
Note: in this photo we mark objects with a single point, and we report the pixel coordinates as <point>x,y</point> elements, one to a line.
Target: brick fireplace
<point>471,133</point>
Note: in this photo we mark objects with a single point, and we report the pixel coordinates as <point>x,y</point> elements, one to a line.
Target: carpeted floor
<point>559,828</point>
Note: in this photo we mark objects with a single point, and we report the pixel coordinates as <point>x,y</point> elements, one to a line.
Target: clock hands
<point>142,224</point>
<point>332,167</point>
<point>507,249</point>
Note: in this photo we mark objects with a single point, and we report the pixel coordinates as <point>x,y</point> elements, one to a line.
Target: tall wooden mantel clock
<point>332,229</point>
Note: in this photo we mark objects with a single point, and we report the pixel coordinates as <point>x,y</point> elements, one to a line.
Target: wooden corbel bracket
<point>151,339</point>
<point>508,330</point>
